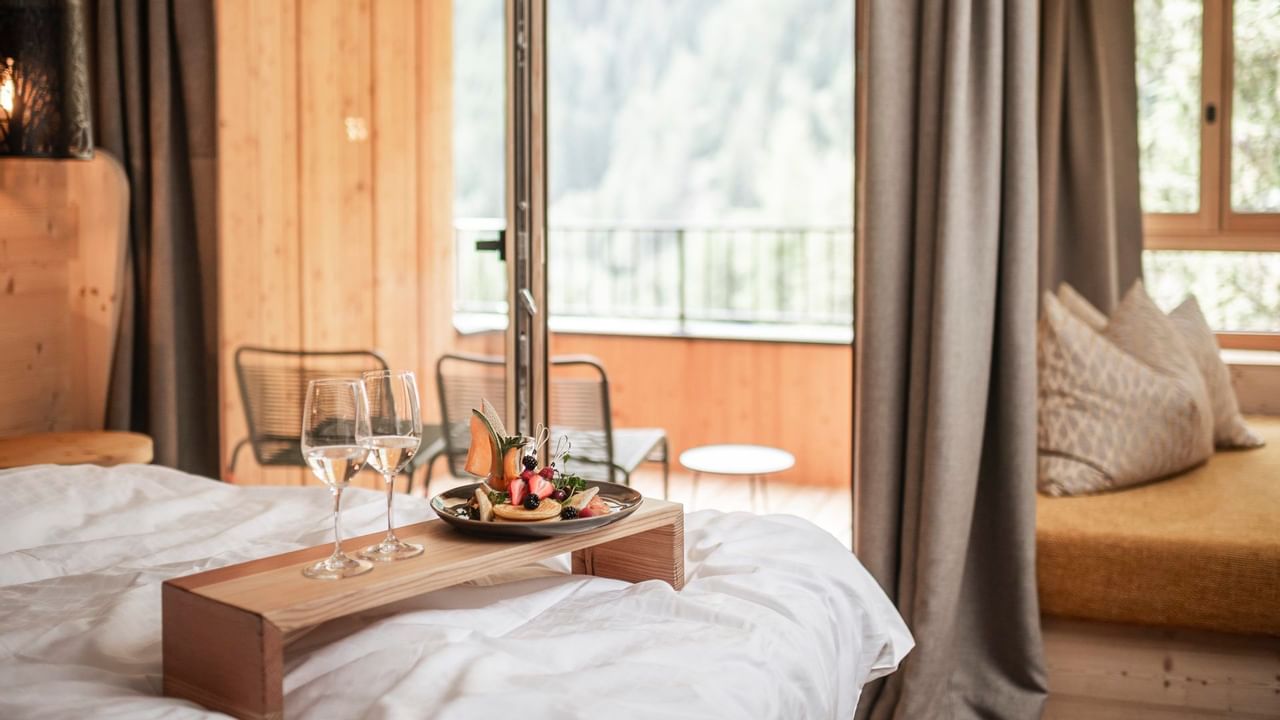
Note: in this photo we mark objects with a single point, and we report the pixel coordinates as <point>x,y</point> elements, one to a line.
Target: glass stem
<point>337,532</point>
<point>390,480</point>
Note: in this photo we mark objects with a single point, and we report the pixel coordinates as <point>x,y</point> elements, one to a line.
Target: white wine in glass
<point>334,420</point>
<point>395,432</point>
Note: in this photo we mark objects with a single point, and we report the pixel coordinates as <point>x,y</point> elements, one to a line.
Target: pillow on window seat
<point>1229,428</point>
<point>1119,407</point>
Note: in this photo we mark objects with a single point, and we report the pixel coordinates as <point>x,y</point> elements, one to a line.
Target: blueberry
<point>530,462</point>
<point>531,502</point>
<point>568,513</point>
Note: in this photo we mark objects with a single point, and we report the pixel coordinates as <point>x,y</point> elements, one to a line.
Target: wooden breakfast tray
<point>225,630</point>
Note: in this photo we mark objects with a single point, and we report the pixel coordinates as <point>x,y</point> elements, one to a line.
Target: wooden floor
<point>829,508</point>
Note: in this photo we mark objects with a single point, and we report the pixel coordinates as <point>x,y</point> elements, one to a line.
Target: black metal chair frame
<point>256,440</point>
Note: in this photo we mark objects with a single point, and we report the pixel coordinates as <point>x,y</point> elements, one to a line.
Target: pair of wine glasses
<point>347,423</point>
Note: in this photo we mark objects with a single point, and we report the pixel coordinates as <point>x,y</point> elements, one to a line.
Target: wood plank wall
<point>335,221</point>
<point>334,181</point>
<point>63,232</point>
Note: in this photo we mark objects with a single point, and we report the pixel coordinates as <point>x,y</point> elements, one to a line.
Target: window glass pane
<point>1169,36</point>
<point>1236,290</point>
<point>1255,107</point>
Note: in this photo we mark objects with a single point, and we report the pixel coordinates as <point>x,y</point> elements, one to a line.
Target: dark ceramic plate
<point>450,505</point>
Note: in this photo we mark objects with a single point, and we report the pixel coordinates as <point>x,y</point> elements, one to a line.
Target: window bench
<point>1201,550</point>
<point>1162,602</point>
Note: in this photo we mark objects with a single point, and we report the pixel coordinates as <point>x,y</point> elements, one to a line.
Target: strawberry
<point>542,488</point>
<point>518,489</point>
<point>547,472</point>
<point>528,476</point>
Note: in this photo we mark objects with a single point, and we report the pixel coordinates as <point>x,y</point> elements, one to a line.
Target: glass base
<point>389,550</point>
<point>336,567</point>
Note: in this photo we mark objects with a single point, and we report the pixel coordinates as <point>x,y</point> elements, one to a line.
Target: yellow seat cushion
<point>1199,550</point>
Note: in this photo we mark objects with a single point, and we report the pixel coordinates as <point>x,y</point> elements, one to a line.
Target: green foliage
<point>1255,121</point>
<point>1168,76</point>
<point>1236,290</point>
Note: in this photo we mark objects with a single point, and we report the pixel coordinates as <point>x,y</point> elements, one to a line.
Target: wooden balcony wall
<point>335,231</point>
<point>796,396</point>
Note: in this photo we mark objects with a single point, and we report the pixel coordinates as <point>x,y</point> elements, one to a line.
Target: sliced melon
<point>511,462</point>
<point>483,453</point>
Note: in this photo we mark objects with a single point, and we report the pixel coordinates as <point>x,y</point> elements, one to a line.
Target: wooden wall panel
<point>336,101</point>
<point>434,64</point>
<point>63,234</point>
<point>258,215</point>
<point>335,182</point>
<point>396,306</point>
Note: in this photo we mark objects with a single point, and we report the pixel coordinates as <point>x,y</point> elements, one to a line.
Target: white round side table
<point>753,461</point>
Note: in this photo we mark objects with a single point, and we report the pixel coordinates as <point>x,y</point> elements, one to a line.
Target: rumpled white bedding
<point>777,619</point>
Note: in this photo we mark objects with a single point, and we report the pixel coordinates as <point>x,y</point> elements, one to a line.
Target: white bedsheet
<point>777,619</point>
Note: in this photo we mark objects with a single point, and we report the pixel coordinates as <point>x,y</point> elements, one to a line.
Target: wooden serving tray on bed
<point>225,630</point>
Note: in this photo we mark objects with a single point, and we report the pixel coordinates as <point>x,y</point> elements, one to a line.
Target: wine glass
<point>395,423</point>
<point>334,420</point>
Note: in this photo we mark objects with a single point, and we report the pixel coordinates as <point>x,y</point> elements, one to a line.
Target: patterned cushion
<point>1081,308</point>
<point>1229,428</point>
<point>1107,419</point>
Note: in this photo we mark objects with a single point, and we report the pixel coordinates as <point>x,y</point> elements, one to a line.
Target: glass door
<point>498,205</point>
<point>700,167</point>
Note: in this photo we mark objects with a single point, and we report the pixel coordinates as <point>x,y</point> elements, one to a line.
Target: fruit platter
<point>519,496</point>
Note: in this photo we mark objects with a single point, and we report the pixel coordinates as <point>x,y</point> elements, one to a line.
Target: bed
<point>777,619</point>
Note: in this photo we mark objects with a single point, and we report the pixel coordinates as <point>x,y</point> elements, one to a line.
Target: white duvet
<point>777,619</point>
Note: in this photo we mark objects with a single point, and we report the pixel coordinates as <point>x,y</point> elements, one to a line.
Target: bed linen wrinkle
<point>777,619</point>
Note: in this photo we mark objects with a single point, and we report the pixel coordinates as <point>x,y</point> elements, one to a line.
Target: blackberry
<point>568,513</point>
<point>531,502</point>
<point>530,462</point>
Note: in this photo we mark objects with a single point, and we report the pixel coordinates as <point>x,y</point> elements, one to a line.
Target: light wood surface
<point>335,188</point>
<point>1109,670</point>
<point>225,630</point>
<point>259,253</point>
<point>63,234</point>
<point>74,448</point>
<point>793,396</point>
<point>1255,377</point>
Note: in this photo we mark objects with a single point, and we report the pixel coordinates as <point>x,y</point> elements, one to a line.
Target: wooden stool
<point>75,448</point>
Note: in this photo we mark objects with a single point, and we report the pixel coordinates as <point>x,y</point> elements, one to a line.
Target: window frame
<point>1217,226</point>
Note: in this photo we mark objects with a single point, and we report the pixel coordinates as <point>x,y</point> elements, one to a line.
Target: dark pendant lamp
<point>44,80</point>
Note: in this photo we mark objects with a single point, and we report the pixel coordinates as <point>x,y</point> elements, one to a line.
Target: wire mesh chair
<point>580,409</point>
<point>273,386</point>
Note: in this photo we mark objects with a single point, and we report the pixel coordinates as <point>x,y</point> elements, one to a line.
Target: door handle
<point>500,244</point>
<point>526,299</point>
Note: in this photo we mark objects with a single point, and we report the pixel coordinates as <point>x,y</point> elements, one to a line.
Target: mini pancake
<point>548,509</point>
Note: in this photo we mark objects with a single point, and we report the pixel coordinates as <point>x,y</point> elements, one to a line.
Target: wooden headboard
<point>63,234</point>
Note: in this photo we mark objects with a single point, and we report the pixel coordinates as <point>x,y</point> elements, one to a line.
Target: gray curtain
<point>155,110</point>
<point>945,434</point>
<point>1090,210</point>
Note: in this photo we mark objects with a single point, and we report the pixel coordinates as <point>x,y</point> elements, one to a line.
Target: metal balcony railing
<point>754,282</point>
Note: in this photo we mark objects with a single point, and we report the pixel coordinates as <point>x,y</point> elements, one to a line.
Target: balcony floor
<point>829,508</point>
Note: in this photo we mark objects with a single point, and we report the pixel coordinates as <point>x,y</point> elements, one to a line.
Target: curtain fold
<point>154,98</point>
<point>1090,205</point>
<point>945,433</point>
